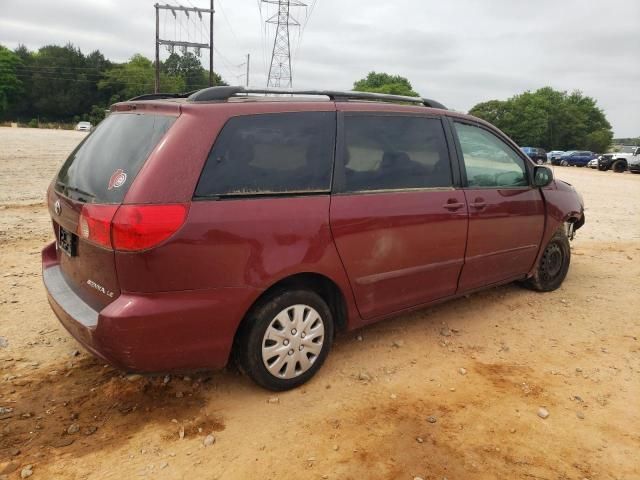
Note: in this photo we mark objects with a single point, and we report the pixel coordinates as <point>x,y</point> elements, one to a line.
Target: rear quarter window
<point>271,154</point>
<point>102,168</point>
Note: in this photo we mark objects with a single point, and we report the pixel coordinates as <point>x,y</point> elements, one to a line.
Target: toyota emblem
<point>57,208</point>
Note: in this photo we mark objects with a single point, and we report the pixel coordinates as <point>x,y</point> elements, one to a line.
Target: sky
<point>459,52</point>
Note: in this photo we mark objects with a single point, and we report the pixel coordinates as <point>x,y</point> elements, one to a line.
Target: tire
<point>618,166</point>
<point>273,336</point>
<point>602,168</point>
<point>564,163</point>
<point>553,265</point>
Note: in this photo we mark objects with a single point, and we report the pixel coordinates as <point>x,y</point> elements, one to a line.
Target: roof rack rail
<point>224,93</point>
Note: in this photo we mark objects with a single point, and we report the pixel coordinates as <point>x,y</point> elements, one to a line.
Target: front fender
<point>562,204</point>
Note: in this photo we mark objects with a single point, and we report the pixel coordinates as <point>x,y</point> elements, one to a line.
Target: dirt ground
<point>450,392</point>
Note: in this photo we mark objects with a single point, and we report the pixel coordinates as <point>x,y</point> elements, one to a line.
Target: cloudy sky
<point>459,52</point>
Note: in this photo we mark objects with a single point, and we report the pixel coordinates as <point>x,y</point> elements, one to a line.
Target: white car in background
<point>554,155</point>
<point>83,126</point>
<point>593,163</point>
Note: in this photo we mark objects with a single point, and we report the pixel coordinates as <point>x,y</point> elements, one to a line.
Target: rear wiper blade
<point>76,190</point>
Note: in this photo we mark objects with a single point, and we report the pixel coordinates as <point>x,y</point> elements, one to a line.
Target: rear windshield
<point>102,168</point>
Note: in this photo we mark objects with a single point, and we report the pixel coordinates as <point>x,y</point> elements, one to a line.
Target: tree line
<point>61,84</point>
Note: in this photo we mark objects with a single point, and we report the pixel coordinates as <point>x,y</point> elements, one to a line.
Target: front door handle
<point>453,205</point>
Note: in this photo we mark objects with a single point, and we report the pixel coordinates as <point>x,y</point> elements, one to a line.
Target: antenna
<point>280,74</point>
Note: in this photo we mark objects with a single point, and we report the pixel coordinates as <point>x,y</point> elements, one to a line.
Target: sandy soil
<point>450,392</point>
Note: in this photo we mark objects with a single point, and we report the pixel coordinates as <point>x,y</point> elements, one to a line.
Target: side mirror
<point>542,176</point>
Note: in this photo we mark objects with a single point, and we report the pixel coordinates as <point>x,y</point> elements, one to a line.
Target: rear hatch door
<point>96,178</point>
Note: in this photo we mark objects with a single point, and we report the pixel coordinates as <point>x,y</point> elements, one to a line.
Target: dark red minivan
<point>188,228</point>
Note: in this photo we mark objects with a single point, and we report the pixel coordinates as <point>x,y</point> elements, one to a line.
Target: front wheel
<point>553,265</point>
<point>285,339</point>
<point>564,163</point>
<point>618,166</point>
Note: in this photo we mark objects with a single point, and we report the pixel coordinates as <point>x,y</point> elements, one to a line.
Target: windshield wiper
<point>75,190</point>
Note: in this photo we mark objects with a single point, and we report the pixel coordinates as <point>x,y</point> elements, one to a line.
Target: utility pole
<point>248,60</point>
<point>157,82</point>
<point>280,74</point>
<point>211,45</point>
<point>185,45</point>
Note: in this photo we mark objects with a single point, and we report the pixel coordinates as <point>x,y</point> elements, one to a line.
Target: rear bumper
<point>151,332</point>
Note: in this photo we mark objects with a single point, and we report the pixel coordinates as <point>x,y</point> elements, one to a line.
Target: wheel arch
<point>324,286</point>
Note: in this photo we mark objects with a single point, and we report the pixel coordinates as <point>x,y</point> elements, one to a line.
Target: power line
<point>309,12</point>
<point>180,43</point>
<point>226,19</point>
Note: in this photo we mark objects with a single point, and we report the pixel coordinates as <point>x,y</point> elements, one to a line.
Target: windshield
<point>628,149</point>
<point>103,166</point>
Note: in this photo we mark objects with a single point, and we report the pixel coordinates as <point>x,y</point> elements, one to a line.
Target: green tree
<point>136,77</point>
<point>10,83</point>
<point>550,119</point>
<point>188,67</point>
<point>62,85</point>
<point>385,83</point>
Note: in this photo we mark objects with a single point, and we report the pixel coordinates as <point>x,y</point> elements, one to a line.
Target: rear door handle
<point>453,205</point>
<point>479,204</point>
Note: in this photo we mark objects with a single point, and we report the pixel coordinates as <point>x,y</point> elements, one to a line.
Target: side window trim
<point>463,172</point>
<point>339,184</point>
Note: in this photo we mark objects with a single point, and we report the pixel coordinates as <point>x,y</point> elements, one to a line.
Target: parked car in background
<point>554,156</point>
<point>633,162</point>
<point>593,163</point>
<point>578,158</point>
<point>273,239</point>
<point>618,161</point>
<point>538,155</point>
<point>83,127</point>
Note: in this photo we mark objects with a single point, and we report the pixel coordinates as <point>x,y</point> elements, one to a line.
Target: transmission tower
<point>280,74</point>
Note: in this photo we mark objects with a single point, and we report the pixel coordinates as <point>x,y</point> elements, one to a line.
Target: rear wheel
<point>553,265</point>
<point>285,339</point>
<point>564,163</point>
<point>618,166</point>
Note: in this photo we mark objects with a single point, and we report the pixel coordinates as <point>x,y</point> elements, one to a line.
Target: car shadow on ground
<point>78,407</point>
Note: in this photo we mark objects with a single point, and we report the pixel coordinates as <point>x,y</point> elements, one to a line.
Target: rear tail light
<point>138,227</point>
<point>95,224</point>
<point>130,227</point>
